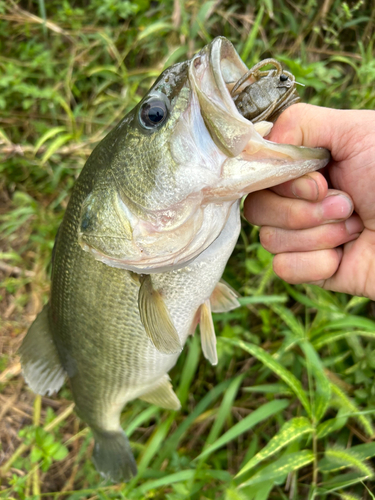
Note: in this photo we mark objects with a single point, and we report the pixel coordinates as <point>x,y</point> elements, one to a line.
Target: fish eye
<point>283,78</point>
<point>153,113</point>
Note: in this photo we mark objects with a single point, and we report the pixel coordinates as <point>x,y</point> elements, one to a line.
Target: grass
<point>288,413</point>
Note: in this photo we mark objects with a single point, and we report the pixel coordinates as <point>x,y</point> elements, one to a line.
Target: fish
<point>138,259</point>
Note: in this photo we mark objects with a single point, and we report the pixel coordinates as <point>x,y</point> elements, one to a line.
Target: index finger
<point>309,187</point>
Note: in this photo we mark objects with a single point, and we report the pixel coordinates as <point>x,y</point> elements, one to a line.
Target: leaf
<point>341,481</point>
<point>154,28</point>
<point>343,324</point>
<point>364,451</point>
<point>36,454</point>
<point>253,35</point>
<point>331,425</point>
<point>246,424</point>
<point>346,403</point>
<point>165,481</point>
<point>60,453</point>
<point>281,467</point>
<point>289,432</point>
<point>276,367</point>
<point>290,320</point>
<point>171,443</point>
<point>331,337</point>
<point>322,393</point>
<point>269,389</point>
<point>225,409</point>
<point>348,458</point>
<point>48,135</point>
<point>144,416</point>
<point>188,371</point>
<point>262,299</point>
<point>55,146</point>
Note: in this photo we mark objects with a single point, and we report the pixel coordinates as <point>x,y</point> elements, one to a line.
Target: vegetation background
<point>288,413</point>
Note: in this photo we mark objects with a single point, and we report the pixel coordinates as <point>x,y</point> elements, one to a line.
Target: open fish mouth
<point>215,157</point>
<point>213,73</point>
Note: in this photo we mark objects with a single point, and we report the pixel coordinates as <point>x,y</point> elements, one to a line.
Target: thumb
<point>314,126</point>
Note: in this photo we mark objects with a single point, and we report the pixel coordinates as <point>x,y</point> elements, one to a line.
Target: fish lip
<point>221,66</point>
<point>210,71</point>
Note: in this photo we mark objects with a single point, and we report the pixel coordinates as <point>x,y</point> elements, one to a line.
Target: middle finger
<point>266,208</point>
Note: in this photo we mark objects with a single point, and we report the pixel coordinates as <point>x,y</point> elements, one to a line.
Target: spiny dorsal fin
<point>40,361</point>
<point>208,337</point>
<point>162,395</point>
<point>224,298</point>
<point>156,319</point>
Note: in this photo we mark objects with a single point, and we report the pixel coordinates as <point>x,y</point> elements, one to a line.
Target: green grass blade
<point>331,425</point>
<point>277,368</point>
<point>262,299</point>
<point>265,411</point>
<point>225,409</point>
<point>48,135</point>
<point>253,35</point>
<point>323,392</point>
<point>281,467</point>
<point>348,458</point>
<point>289,432</point>
<point>154,443</point>
<point>332,337</point>
<point>188,372</point>
<point>55,146</point>
<point>280,389</point>
<point>172,442</point>
<point>348,404</point>
<point>141,418</point>
<point>177,477</point>
<point>340,482</point>
<point>289,319</point>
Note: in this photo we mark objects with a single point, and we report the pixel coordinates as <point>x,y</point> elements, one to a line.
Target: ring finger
<point>278,240</point>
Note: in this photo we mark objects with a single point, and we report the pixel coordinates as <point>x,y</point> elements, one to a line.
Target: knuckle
<point>267,238</point>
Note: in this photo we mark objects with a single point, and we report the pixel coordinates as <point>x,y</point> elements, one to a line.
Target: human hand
<point>312,229</point>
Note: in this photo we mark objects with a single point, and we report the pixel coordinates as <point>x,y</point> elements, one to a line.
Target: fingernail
<point>354,225</point>
<point>336,207</point>
<point>305,188</point>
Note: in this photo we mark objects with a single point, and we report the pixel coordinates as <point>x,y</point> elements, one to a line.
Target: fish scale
<point>137,262</point>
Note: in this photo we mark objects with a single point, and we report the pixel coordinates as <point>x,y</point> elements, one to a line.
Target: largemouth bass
<point>150,225</point>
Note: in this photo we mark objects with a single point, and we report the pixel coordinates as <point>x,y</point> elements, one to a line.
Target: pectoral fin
<point>156,319</point>
<point>163,395</point>
<point>224,298</point>
<point>208,337</point>
<point>40,361</point>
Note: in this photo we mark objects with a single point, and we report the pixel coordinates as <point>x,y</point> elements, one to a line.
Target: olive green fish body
<point>151,223</point>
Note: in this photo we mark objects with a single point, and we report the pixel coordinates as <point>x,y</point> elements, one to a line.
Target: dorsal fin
<point>224,298</point>
<point>208,337</point>
<point>156,319</point>
<point>162,395</point>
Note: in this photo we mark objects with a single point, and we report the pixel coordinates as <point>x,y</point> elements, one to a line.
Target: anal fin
<point>162,395</point>
<point>208,337</point>
<point>156,319</point>
<point>40,361</point>
<point>224,298</point>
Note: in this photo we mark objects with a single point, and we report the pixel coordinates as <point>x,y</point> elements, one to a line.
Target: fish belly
<point>96,326</point>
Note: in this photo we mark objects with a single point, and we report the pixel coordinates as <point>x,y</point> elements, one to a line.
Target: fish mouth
<point>213,73</point>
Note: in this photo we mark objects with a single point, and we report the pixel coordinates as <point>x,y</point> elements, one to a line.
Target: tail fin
<point>112,455</point>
